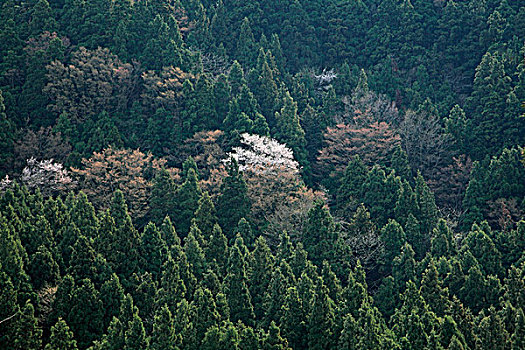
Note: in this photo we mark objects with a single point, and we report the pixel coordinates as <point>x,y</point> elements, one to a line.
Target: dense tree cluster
<point>291,174</point>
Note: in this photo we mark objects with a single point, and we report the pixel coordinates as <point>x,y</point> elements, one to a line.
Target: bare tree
<point>425,142</point>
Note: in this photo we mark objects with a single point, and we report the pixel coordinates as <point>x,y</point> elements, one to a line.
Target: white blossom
<point>261,154</point>
<point>47,176</point>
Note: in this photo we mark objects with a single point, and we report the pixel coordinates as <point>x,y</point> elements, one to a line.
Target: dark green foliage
<point>289,131</point>
<point>322,320</point>
<point>61,337</point>
<point>43,269</point>
<point>135,335</point>
<point>321,234</point>
<point>191,76</point>
<point>233,203</point>
<point>236,285</point>
<point>394,239</point>
<point>163,336</point>
<point>154,250</point>
<point>27,334</point>
<point>187,199</point>
<point>86,314</point>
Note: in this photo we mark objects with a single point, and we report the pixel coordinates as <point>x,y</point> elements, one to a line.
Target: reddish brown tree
<point>372,141</point>
<point>130,171</point>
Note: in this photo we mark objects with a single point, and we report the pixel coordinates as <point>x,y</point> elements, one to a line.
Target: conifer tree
<point>320,237</point>
<point>112,296</point>
<point>6,140</point>
<point>154,250</point>
<point>172,288</point>
<point>126,242</point>
<point>204,315</point>
<point>43,269</point>
<point>86,316</point>
<point>236,78</point>
<point>293,320</point>
<point>9,309</point>
<point>394,239</point>
<point>205,216</point>
<point>163,336</point>
<point>187,196</point>
<point>260,274</point>
<point>217,251</point>
<point>432,290</point>
<point>233,203</point>
<point>194,253</point>
<point>322,319</point>
<point>11,253</point>
<point>222,94</point>
<point>61,337</point>
<point>27,332</point>
<point>135,335</point>
<point>274,340</point>
<point>265,89</point>
<point>162,197</point>
<point>518,337</point>
<point>492,333</point>
<point>349,194</point>
<point>289,131</point>
<point>236,285</point>
<point>442,243</point>
<point>168,234</point>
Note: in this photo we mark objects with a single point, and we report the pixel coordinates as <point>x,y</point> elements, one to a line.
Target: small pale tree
<point>49,177</point>
<point>280,200</point>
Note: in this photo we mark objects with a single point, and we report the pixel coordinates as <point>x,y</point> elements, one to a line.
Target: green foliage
<point>185,79</point>
<point>61,337</point>
<point>233,203</point>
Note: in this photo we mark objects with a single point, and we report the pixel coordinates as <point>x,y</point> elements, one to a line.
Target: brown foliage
<point>164,89</point>
<point>94,81</point>
<point>42,42</point>
<point>503,213</point>
<point>43,144</point>
<point>372,142</point>
<point>451,182</point>
<point>131,171</point>
<point>208,152</point>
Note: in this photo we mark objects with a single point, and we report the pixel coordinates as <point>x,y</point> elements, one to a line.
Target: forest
<point>275,175</point>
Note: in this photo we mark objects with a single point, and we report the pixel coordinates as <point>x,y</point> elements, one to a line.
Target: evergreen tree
<point>205,216</point>
<point>135,335</point>
<point>112,296</point>
<point>163,336</point>
<point>217,251</point>
<point>293,320</point>
<point>187,199</point>
<point>204,315</point>
<point>233,203</point>
<point>61,337</point>
<point>236,285</point>
<point>86,316</point>
<point>289,131</point>
<point>126,242</point>
<point>194,253</point>
<point>394,239</point>
<point>322,320</point>
<point>154,250</point>
<point>27,332</point>
<point>518,338</point>
<point>162,197</point>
